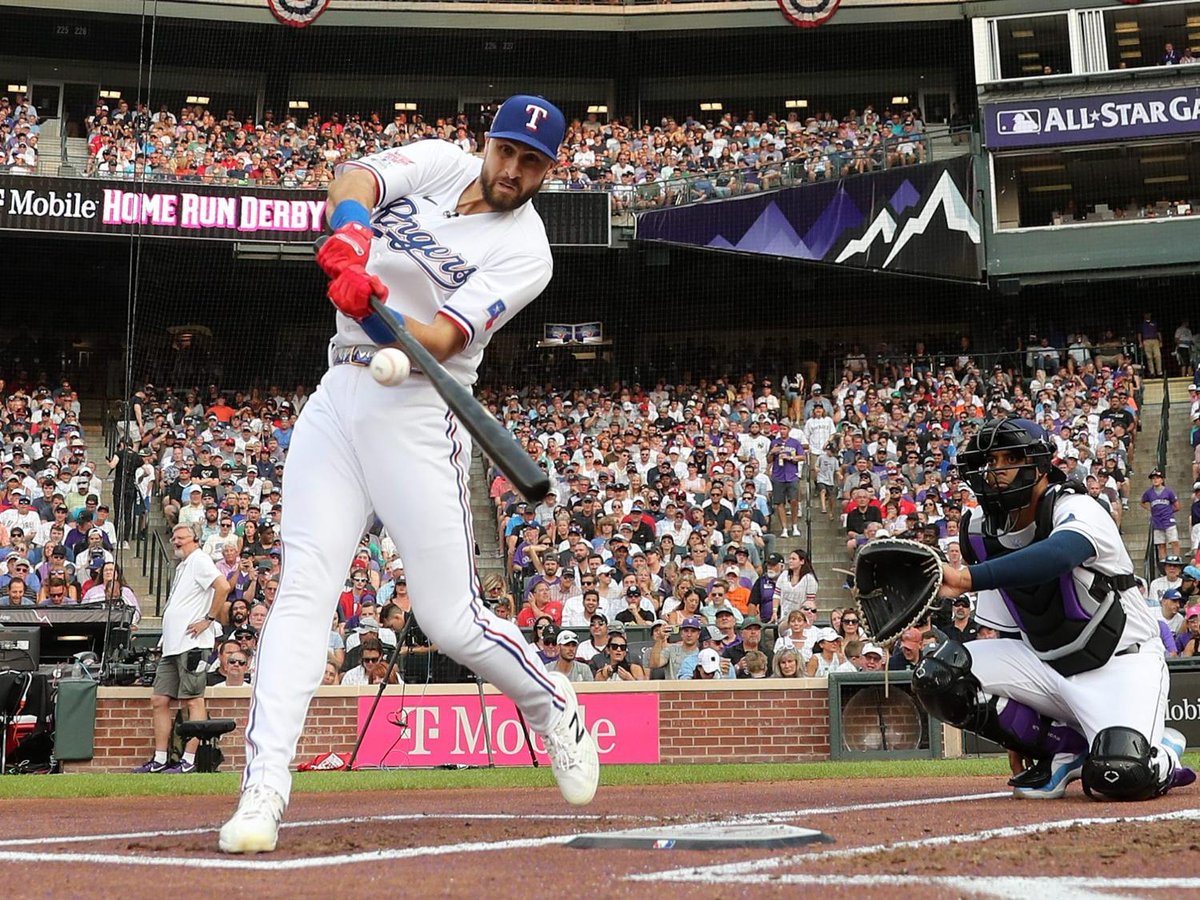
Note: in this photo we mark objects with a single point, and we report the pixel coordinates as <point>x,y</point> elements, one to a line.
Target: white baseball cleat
<point>574,758</point>
<point>254,828</point>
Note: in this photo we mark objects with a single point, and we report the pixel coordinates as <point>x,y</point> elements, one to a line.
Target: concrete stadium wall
<point>743,721</point>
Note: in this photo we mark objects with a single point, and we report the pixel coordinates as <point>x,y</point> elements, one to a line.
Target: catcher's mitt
<point>896,584</point>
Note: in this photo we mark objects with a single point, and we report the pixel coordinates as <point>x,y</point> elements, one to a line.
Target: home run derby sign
<point>297,13</point>
<point>808,13</point>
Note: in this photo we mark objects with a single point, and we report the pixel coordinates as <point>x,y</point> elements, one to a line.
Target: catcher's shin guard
<point>944,685</point>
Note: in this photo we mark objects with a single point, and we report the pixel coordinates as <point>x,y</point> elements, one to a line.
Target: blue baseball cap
<point>530,120</point>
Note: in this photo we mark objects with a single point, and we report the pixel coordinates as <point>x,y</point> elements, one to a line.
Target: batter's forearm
<point>353,184</point>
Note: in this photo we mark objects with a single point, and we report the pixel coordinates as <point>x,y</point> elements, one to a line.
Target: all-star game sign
<point>808,13</point>
<point>297,13</point>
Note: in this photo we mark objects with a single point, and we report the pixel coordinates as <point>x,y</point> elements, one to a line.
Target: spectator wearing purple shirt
<point>1162,504</point>
<point>784,458</point>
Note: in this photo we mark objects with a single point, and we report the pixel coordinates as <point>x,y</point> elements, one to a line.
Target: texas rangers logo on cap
<point>297,13</point>
<point>533,121</point>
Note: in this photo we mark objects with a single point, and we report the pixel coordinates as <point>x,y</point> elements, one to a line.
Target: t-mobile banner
<point>174,209</point>
<point>1095,118</point>
<point>1183,704</point>
<point>441,731</point>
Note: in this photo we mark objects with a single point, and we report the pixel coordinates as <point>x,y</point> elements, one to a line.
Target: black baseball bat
<point>492,437</point>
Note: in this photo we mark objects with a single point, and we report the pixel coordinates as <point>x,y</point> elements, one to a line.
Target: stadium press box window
<point>1031,46</point>
<point>1097,185</point>
<point>1137,36</point>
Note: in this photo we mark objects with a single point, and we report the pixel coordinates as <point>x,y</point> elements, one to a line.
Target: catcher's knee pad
<point>946,688</point>
<point>1120,766</point>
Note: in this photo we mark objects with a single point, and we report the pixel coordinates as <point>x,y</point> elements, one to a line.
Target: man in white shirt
<point>189,631</point>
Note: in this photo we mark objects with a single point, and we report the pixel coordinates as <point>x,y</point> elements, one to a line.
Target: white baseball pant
<point>360,449</point>
<point>1129,690</point>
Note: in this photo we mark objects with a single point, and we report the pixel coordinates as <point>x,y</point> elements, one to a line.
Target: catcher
<point>1082,685</point>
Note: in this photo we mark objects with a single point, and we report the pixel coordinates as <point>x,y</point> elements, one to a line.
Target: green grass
<point>120,785</point>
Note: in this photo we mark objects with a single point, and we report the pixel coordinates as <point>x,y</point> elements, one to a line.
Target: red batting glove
<point>349,246</point>
<point>351,291</point>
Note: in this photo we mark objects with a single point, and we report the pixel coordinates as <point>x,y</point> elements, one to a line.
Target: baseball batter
<point>1085,685</point>
<point>453,245</point>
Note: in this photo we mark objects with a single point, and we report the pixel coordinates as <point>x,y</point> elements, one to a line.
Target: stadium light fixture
<point>712,106</point>
<point>598,109</point>
<point>1051,188</point>
<point>1029,54</point>
<point>1130,42</point>
<point>1033,68</point>
<point>197,99</point>
<point>1165,179</point>
<point>796,104</point>
<point>297,104</point>
<point>1149,160</point>
<point>402,106</point>
<point>110,95</point>
<point>1193,21</point>
<point>1022,33</point>
<point>900,99</point>
<point>1126,27</point>
<point>1045,167</point>
<point>18,88</point>
<point>1131,54</point>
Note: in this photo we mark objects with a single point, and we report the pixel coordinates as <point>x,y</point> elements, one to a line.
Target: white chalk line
<point>382,855</point>
<point>276,865</point>
<point>1017,887</point>
<point>862,807</point>
<point>753,869</point>
<point>313,823</point>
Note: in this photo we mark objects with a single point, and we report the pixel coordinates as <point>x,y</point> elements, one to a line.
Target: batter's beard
<point>502,203</point>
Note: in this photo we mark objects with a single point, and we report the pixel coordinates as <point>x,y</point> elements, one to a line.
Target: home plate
<point>730,837</point>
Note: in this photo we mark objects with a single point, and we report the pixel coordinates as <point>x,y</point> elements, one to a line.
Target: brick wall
<point>772,721</point>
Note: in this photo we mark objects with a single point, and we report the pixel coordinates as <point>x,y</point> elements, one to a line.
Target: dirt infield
<point>949,837</point>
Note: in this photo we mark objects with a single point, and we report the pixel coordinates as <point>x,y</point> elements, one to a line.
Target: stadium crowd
<point>676,510</point>
<point>678,503</point>
<point>57,536</point>
<point>646,165</point>
<point>19,132</point>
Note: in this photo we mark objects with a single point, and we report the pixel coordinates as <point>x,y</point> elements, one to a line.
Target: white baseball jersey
<point>1083,515</point>
<point>478,270</point>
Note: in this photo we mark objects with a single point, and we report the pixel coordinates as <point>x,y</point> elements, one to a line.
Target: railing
<point>158,562</point>
<point>720,185</point>
<point>62,142</point>
<point>1150,562</point>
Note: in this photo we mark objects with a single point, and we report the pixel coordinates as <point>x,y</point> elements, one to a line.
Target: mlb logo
<point>1019,121</point>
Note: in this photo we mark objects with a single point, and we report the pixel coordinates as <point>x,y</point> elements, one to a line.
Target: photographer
<point>189,632</point>
<point>617,666</point>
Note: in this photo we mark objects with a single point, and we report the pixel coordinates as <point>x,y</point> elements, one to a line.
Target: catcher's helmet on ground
<point>1020,436</point>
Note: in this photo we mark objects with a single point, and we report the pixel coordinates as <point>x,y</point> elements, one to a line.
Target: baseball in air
<point>390,366</point>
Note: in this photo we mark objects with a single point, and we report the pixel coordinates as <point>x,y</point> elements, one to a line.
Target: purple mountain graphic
<point>773,234</point>
<point>840,215</point>
<point>906,195</point>
<point>720,243</point>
